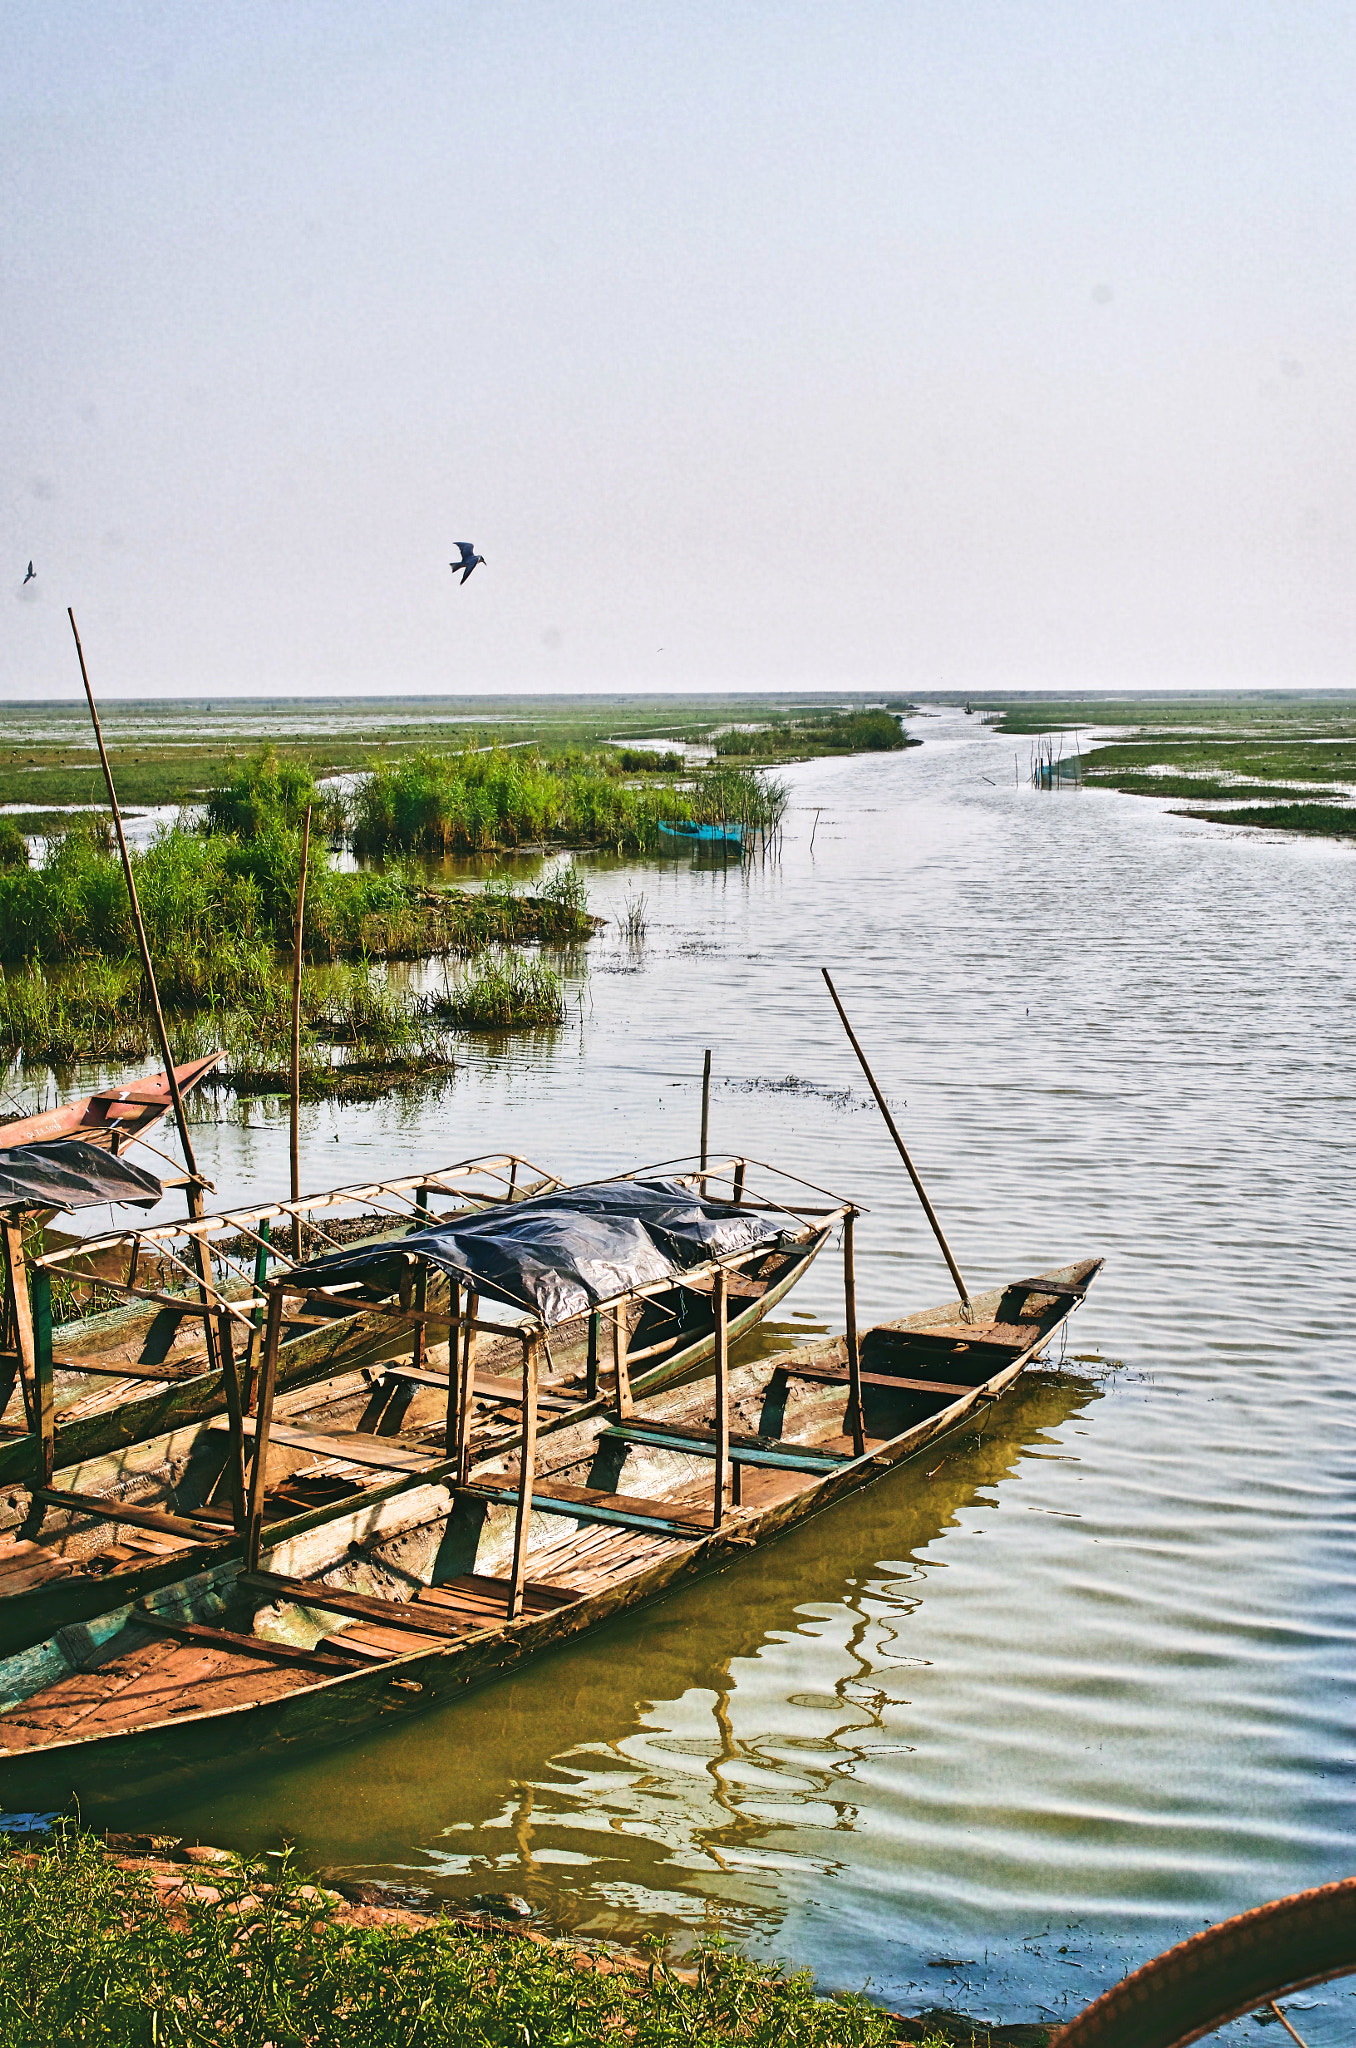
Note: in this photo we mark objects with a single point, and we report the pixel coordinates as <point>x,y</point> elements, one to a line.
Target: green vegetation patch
<point>472,802</point>
<point>1321,821</point>
<point>1228,713</point>
<point>838,732</point>
<point>91,1958</point>
<point>507,993</point>
<point>1203,787</point>
<point>13,845</point>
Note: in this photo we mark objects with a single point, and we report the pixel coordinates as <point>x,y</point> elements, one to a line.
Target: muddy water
<point>985,1736</point>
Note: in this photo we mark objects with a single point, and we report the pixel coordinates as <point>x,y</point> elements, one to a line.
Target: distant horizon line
<point>555,697</point>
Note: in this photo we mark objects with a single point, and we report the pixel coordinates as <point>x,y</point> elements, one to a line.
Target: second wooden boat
<point>364,1393</point>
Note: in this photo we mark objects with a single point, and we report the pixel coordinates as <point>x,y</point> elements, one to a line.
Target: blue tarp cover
<point>559,1255</point>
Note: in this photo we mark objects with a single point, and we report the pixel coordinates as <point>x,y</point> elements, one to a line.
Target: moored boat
<point>364,1402</point>
<point>392,1606</point>
<point>707,838</point>
<point>110,1117</point>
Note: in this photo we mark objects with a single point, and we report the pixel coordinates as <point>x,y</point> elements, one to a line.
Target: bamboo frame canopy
<point>559,1255</point>
<point>228,1281</point>
<point>70,1173</point>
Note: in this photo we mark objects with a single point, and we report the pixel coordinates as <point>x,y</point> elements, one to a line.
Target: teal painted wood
<point>782,1461</point>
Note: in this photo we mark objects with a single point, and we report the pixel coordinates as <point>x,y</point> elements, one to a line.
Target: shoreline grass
<point>103,1952</point>
<point>1319,821</point>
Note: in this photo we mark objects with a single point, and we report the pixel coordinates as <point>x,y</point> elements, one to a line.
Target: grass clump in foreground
<point>91,1957</point>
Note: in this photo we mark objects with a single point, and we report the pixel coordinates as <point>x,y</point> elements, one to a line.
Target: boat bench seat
<point>837,1375</point>
<point>488,1387</point>
<point>744,1450</point>
<point>592,1504</point>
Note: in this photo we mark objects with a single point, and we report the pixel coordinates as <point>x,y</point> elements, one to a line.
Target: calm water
<point>987,1737</point>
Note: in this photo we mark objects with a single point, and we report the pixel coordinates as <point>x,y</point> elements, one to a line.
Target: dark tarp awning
<point>67,1173</point>
<point>561,1254</point>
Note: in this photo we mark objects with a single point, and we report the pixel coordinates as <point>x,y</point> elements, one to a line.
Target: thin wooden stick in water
<point>902,1150</point>
<point>296,1029</point>
<point>706,1107</point>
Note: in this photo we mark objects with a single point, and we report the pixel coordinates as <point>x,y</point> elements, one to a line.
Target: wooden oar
<point>902,1150</point>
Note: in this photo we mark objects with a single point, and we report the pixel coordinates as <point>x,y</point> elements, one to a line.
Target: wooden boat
<point>111,1117</point>
<point>364,1404</point>
<point>395,1606</point>
<point>707,838</point>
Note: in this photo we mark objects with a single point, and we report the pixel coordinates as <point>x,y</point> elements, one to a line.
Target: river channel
<point>988,1734</point>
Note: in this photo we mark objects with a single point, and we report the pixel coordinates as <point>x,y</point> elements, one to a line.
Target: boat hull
<point>157,1759</point>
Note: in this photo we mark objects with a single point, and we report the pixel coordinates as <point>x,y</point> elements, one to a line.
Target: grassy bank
<point>473,802</point>
<point>174,753</point>
<point>94,1954</point>
<point>1289,760</point>
<point>801,739</point>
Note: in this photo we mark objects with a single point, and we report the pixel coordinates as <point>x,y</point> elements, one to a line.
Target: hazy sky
<point>912,345</point>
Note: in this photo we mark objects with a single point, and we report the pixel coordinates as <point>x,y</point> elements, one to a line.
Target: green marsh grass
<point>1319,821</point>
<point>13,845</point>
<point>836,732</point>
<point>505,993</point>
<point>506,797</point>
<point>90,1958</point>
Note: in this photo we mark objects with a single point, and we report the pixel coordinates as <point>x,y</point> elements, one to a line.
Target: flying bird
<point>468,561</point>
<point>32,572</point>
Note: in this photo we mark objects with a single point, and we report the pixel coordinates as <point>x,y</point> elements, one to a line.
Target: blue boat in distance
<point>725,836</point>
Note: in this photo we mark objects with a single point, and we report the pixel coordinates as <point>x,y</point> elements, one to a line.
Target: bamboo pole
<point>621,1337</point>
<point>453,1368</point>
<point>856,1420</point>
<point>21,1325</point>
<point>193,1189</point>
<point>42,1375</point>
<point>468,1385</point>
<point>263,1422</point>
<point>194,1186</point>
<point>902,1150</point>
<point>523,1516</point>
<point>706,1106</point>
<point>253,1357</point>
<point>235,1452</point>
<point>419,1355</point>
<point>720,1310</point>
<point>296,1029</point>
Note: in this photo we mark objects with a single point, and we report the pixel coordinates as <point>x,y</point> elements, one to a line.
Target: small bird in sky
<point>468,561</point>
<point>32,572</point>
